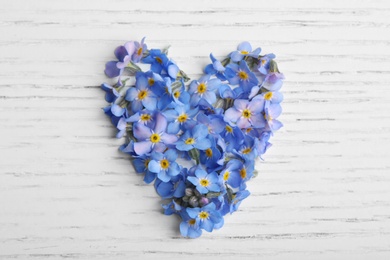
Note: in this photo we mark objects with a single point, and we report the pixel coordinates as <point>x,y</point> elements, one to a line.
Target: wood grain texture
<point>324,188</point>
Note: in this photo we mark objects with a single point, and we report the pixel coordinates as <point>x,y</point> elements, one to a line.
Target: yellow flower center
<point>244,52</point>
<point>248,130</point>
<point>166,90</point>
<point>268,96</point>
<point>203,215</point>
<point>151,81</point>
<point>226,176</point>
<point>243,173</point>
<point>176,94</point>
<point>243,75</point>
<point>155,138</point>
<point>164,164</point>
<point>263,62</point>
<point>204,182</point>
<point>182,118</point>
<point>267,117</point>
<point>142,94</point>
<point>192,222</point>
<point>146,163</point>
<point>229,129</point>
<point>202,88</point>
<point>159,60</point>
<point>145,117</point>
<point>246,113</point>
<point>247,150</point>
<point>209,152</point>
<point>139,52</point>
<point>189,141</point>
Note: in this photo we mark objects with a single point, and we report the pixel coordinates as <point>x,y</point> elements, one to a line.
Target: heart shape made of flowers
<point>197,142</point>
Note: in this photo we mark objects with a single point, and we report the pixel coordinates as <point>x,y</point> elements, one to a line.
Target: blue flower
<point>264,61</point>
<point>194,138</point>
<point>241,75</point>
<point>141,166</point>
<point>111,93</point>
<point>230,174</point>
<point>175,187</point>
<point>141,96</point>
<point>205,182</point>
<point>248,149</point>
<point>157,60</point>
<point>233,137</point>
<point>244,49</point>
<point>166,96</point>
<point>271,112</point>
<point>215,68</point>
<point>123,54</point>
<point>152,139</point>
<point>207,217</point>
<point>181,117</point>
<point>164,165</point>
<point>211,156</point>
<point>246,114</point>
<point>214,123</point>
<point>204,88</point>
<point>180,95</point>
<point>189,227</point>
<point>145,117</point>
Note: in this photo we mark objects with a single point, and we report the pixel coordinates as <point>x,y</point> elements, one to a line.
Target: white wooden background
<point>324,188</point>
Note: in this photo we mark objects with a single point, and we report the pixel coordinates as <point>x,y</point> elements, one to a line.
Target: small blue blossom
<point>204,88</point>
<point>111,93</point>
<point>204,181</point>
<point>141,96</point>
<point>194,138</point>
<point>189,227</point>
<point>164,165</point>
<point>207,217</point>
<point>215,68</point>
<point>241,75</point>
<point>157,60</point>
<point>141,166</point>
<point>230,174</point>
<point>264,61</point>
<point>180,118</point>
<point>244,49</point>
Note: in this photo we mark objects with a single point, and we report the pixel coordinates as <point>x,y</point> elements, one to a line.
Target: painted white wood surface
<point>324,188</point>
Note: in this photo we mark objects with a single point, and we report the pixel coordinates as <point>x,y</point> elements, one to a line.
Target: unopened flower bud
<point>189,192</point>
<point>193,201</point>
<point>203,201</point>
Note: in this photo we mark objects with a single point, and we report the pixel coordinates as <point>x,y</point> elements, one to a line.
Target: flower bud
<point>189,192</point>
<point>203,201</point>
<point>193,201</point>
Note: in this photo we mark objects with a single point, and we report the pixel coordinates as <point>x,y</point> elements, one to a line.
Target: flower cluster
<point>196,142</point>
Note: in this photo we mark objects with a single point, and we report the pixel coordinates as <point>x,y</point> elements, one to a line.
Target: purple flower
<point>123,54</point>
<point>155,139</point>
<point>140,48</point>
<point>246,113</point>
<point>244,49</point>
<point>273,81</point>
<point>241,75</point>
<point>111,93</point>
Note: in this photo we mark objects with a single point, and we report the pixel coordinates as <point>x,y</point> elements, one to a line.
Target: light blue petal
<point>171,155</point>
<point>207,225</point>
<point>154,166</point>
<point>141,132</point>
<point>193,212</point>
<point>142,148</point>
<point>202,144</point>
<point>244,46</point>
<point>236,56</point>
<point>193,180</point>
